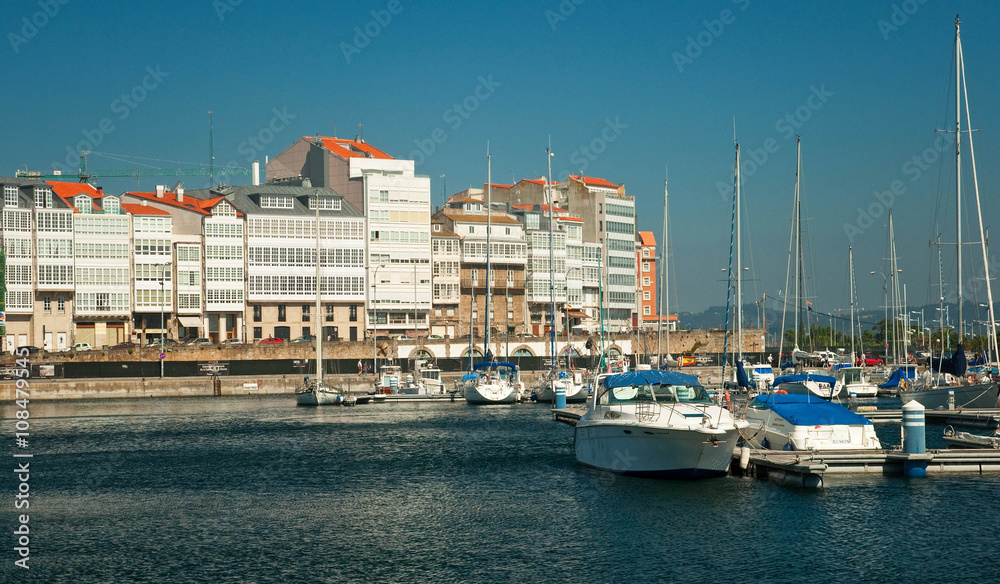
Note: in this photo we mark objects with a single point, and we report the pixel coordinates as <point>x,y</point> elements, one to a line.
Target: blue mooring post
<point>914,439</point>
<point>951,399</point>
<point>560,395</point>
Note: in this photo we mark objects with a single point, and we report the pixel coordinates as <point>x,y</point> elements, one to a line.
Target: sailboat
<point>950,385</point>
<point>316,392</point>
<point>557,378</point>
<point>494,382</point>
<point>810,381</point>
<point>663,362</point>
<point>854,380</point>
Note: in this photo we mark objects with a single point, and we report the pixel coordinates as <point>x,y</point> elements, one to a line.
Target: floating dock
<point>567,416</point>
<point>812,469</point>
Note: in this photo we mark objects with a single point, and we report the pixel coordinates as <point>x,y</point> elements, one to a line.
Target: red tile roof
<point>169,198</point>
<point>646,238</point>
<point>538,181</point>
<point>67,190</point>
<point>346,148</point>
<point>543,207</point>
<point>500,186</point>
<point>140,209</point>
<point>458,216</point>
<point>595,182</point>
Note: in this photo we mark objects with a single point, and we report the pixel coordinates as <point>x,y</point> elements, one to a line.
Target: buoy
<point>914,439</point>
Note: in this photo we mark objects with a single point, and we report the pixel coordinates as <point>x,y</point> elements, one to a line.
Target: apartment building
<point>396,205</point>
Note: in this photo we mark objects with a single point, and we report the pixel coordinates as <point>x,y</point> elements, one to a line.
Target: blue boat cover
<point>787,365</point>
<point>806,410</point>
<point>469,377</point>
<point>741,375</point>
<point>488,364</point>
<point>898,375</point>
<point>803,377</point>
<point>957,365</point>
<point>649,377</point>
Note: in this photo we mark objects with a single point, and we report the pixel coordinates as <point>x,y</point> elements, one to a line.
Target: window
<point>305,331</point>
<point>325,204</point>
<point>111,205</point>
<point>472,229</point>
<point>275,202</point>
<point>281,313</point>
<point>256,314</point>
<point>10,196</point>
<point>257,332</point>
<point>82,202</point>
<point>600,208</point>
<point>43,198</point>
<point>645,310</point>
<point>507,229</point>
<point>645,281</point>
<point>383,196</point>
<point>329,313</point>
<point>305,314</point>
<point>645,266</point>
<point>352,314</point>
<point>645,252</point>
<point>600,225</point>
<point>47,304</point>
<point>645,294</point>
<point>61,304</point>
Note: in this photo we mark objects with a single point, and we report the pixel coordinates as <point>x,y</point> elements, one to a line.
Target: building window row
<point>449,246</point>
<point>283,227</point>
<point>224,274</point>
<point>55,248</point>
<point>306,285</point>
<point>152,272</point>
<point>227,229</point>
<point>152,224</point>
<point>101,225</point>
<point>188,253</point>
<point>392,236</point>
<point>325,203</point>
<point>153,299</point>
<point>189,301</point>
<point>18,247</point>
<point>223,252</point>
<point>17,221</point>
<point>152,246</point>
<point>101,250</point>
<point>18,274</point>
<point>102,276</point>
<point>304,256</point>
<point>49,274</point>
<point>227,295</point>
<point>57,221</point>
<point>620,210</point>
<point>11,196</point>
<point>18,299</point>
<point>102,302</point>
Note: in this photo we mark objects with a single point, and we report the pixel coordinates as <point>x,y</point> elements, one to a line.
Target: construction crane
<point>87,176</point>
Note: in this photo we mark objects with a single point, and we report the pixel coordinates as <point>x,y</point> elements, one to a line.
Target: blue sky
<point>624,89</point>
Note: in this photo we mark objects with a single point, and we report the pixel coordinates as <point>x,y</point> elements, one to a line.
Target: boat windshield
<point>658,393</point>
<point>852,375</point>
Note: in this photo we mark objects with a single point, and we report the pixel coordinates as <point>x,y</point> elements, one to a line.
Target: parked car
<point>869,361</point>
<point>82,347</point>
<point>434,337</point>
<point>233,341</point>
<point>124,345</point>
<point>303,339</point>
<point>167,342</point>
<point>200,341</point>
<point>270,340</point>
<point>404,338</point>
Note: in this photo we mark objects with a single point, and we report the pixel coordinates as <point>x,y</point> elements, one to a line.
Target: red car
<point>270,340</point>
<point>869,361</point>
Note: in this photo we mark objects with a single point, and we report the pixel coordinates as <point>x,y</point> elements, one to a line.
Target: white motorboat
<point>761,376</point>
<point>656,424</point>
<point>805,422</point>
<point>855,381</point>
<point>493,382</point>
<point>809,382</point>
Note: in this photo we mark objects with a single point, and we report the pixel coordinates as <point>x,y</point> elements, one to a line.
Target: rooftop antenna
<point>361,131</point>
<point>211,151</point>
<point>335,130</point>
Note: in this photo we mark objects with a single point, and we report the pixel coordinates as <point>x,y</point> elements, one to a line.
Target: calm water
<point>257,490</point>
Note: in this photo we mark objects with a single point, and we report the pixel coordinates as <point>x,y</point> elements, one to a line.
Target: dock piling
<point>914,439</point>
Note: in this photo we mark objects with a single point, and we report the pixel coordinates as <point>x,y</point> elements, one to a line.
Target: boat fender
<point>788,447</point>
<point>765,444</point>
<point>744,457</point>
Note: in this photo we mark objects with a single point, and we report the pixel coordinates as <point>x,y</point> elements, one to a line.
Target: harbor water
<point>257,490</point>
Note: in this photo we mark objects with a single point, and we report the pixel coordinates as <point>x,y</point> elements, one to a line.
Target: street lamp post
<point>375,324</point>
<point>163,325</point>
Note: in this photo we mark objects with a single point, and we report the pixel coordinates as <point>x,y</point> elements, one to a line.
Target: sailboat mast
<point>489,225</point>
<point>850,262</point>
<point>958,171</point>
<point>664,288</point>
<point>552,280</point>
<point>739,263</point>
<point>319,287</point>
<point>798,237</point>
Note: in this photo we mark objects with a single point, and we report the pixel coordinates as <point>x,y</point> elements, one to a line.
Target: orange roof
<point>538,181</point>
<point>595,182</point>
<point>67,190</point>
<point>169,198</point>
<point>346,148</point>
<point>646,239</point>
<point>499,186</point>
<point>139,209</point>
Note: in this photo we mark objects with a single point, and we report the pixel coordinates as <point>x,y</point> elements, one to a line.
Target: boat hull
<point>485,394</point>
<point>321,398</point>
<point>980,395</point>
<point>650,451</point>
<point>574,394</point>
